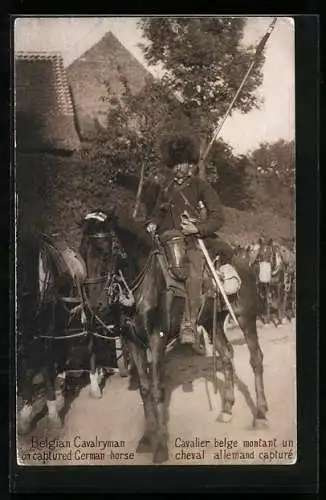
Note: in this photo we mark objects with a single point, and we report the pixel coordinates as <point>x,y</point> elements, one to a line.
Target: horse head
<point>269,260</point>
<point>97,249</point>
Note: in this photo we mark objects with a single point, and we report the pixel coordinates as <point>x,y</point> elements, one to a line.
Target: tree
<point>229,176</point>
<point>204,64</point>
<point>135,126</point>
<point>272,167</point>
<point>275,161</point>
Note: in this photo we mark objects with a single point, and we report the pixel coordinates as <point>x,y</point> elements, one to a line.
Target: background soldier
<point>186,191</point>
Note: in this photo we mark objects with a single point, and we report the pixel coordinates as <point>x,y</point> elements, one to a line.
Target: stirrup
<point>217,261</point>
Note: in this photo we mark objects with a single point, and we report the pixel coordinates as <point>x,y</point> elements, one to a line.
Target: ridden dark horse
<point>156,322</point>
<point>74,314</point>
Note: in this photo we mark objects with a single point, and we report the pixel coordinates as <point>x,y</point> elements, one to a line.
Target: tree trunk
<point>202,165</point>
<point>139,191</point>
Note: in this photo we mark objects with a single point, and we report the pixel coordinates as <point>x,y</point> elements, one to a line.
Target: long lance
<point>259,50</point>
<point>201,243</point>
<point>216,278</point>
<point>139,191</point>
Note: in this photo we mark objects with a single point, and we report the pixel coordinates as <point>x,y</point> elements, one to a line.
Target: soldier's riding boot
<point>193,303</point>
<point>187,331</point>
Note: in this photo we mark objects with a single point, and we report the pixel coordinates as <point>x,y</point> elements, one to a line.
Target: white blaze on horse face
<point>265,272</point>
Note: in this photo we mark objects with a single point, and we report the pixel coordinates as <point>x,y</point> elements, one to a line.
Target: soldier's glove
<point>151,228</point>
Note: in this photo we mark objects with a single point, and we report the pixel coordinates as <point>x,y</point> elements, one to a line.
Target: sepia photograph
<point>155,241</point>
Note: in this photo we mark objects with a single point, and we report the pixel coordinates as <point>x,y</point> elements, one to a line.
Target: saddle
<point>68,262</point>
<point>173,265</point>
<point>169,257</point>
<point>229,277</point>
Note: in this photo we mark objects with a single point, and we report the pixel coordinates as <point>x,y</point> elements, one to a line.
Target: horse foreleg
<point>95,390</point>
<point>157,346</point>
<point>133,384</point>
<point>225,351</point>
<point>248,326</point>
<point>49,375</point>
<point>139,358</point>
<point>267,303</point>
<point>282,302</point>
<point>261,302</point>
<point>25,414</point>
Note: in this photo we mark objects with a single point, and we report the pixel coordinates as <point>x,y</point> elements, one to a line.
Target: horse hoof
<point>224,417</point>
<point>95,392</point>
<point>260,423</point>
<point>161,455</point>
<point>54,422</point>
<point>144,445</point>
<point>199,349</point>
<point>25,420</point>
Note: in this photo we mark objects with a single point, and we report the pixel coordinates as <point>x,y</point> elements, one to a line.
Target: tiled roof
<point>45,118</point>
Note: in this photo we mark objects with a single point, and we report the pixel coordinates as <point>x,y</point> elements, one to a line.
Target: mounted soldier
<point>186,192</point>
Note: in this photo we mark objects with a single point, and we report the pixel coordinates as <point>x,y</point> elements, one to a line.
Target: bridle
<point>100,235</point>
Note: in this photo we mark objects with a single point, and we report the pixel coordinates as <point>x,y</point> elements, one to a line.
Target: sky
<point>274,120</point>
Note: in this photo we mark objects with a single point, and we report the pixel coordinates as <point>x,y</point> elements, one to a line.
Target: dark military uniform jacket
<point>174,199</point>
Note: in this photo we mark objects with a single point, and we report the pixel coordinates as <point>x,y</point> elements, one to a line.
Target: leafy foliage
<point>204,63</point>
<point>136,128</point>
<point>228,174</point>
<point>271,172</point>
<point>275,161</point>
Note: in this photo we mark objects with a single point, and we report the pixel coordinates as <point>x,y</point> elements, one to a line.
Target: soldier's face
<point>181,172</point>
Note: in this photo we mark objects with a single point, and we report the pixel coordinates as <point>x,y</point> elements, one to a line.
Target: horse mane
<point>135,241</point>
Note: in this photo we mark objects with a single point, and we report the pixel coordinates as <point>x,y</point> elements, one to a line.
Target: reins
<point>84,304</point>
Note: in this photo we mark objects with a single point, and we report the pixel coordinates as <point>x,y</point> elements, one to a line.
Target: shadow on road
<point>184,367</point>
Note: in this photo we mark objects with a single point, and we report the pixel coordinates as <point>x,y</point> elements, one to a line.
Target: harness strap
<point>95,281</point>
<point>89,307</point>
<point>142,273</point>
<point>72,300</point>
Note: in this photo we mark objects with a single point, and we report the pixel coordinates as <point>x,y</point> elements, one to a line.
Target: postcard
<point>155,241</point>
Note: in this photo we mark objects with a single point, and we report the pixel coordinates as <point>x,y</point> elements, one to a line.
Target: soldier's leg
<point>195,268</point>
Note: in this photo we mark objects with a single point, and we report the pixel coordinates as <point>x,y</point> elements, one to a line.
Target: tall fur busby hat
<point>180,149</point>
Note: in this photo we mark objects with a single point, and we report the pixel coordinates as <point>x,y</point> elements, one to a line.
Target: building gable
<point>97,69</point>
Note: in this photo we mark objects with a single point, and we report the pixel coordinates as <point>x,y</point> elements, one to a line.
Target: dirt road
<point>106,431</point>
